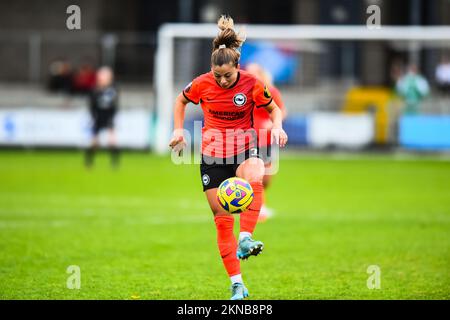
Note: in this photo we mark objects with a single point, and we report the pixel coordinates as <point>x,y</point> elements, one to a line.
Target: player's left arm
<point>276,116</point>
<point>276,95</point>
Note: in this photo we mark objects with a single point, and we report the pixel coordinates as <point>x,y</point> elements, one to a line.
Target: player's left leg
<point>251,170</point>
<point>90,151</point>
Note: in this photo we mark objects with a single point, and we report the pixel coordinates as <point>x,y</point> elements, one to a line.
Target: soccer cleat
<point>249,247</point>
<point>238,291</point>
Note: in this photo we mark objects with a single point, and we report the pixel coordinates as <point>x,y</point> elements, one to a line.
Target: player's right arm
<point>191,93</point>
<point>177,143</point>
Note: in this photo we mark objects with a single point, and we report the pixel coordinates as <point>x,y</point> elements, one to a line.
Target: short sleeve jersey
<point>228,113</point>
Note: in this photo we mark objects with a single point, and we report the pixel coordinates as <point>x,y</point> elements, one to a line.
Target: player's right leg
<point>212,175</point>
<point>90,151</point>
<point>227,244</point>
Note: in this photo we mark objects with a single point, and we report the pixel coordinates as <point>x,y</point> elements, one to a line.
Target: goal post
<point>168,33</point>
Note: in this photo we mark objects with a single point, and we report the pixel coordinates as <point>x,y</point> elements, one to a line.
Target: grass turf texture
<point>145,231</point>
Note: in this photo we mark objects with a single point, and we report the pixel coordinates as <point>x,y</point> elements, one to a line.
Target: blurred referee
<point>103,108</point>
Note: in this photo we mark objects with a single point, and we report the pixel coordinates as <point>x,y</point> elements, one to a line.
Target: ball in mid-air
<point>235,195</point>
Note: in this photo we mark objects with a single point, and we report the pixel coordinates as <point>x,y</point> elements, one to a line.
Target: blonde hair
<point>227,45</point>
<point>261,73</point>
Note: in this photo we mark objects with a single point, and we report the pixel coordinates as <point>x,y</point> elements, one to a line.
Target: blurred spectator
<point>84,79</point>
<point>60,76</point>
<point>413,88</point>
<point>443,75</point>
<point>103,108</point>
<point>396,71</point>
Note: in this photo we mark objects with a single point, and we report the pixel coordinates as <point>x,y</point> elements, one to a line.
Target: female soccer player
<point>262,124</point>
<point>229,148</point>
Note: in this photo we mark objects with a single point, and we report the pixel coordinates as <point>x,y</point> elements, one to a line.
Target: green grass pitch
<point>145,231</point>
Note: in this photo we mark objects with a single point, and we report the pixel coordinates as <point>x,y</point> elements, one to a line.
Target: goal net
<point>324,73</point>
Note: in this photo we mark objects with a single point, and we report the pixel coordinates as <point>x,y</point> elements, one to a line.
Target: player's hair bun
<point>227,44</point>
<point>225,22</point>
<point>227,36</point>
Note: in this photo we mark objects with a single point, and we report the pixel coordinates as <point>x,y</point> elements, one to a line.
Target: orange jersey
<point>262,119</point>
<point>228,128</point>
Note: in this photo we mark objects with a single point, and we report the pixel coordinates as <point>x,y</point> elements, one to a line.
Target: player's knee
<point>217,210</point>
<point>253,171</point>
<point>255,178</point>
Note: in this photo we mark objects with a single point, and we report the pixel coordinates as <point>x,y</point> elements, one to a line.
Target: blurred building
<point>122,33</point>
